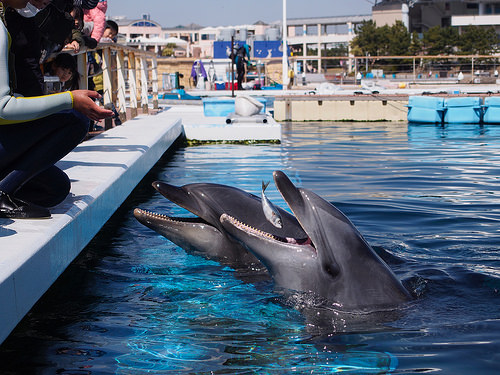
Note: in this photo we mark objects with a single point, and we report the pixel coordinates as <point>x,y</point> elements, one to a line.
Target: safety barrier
<point>130,78</point>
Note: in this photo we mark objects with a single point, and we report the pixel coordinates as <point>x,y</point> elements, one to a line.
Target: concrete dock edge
<point>34,253</point>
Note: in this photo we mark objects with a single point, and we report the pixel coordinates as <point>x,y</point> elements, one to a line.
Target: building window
<point>312,30</point>
<point>143,24</point>
<point>337,29</point>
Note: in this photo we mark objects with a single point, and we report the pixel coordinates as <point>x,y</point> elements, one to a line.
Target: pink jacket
<point>98,17</point>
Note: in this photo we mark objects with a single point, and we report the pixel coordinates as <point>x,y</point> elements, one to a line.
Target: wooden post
<point>120,69</point>
<point>107,85</point>
<point>81,61</point>
<point>132,84</point>
<point>144,84</point>
<point>154,77</point>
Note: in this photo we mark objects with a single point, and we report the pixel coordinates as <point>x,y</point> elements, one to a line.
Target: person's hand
<point>74,45</point>
<point>83,102</point>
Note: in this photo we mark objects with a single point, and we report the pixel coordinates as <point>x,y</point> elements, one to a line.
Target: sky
<point>171,13</point>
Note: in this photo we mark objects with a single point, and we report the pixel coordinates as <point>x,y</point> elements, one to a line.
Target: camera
<point>51,85</point>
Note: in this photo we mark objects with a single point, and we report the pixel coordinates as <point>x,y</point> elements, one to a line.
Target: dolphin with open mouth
<point>204,234</point>
<point>333,261</point>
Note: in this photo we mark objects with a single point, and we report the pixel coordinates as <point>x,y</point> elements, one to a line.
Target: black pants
<point>240,70</point>
<point>28,152</point>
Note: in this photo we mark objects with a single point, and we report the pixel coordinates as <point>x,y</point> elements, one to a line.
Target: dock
<point>200,128</point>
<point>376,107</point>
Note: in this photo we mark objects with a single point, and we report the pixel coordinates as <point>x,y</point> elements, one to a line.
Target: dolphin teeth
<point>154,214</point>
<point>250,229</point>
<point>247,228</point>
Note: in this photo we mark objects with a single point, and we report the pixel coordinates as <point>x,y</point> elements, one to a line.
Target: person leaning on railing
<point>35,133</point>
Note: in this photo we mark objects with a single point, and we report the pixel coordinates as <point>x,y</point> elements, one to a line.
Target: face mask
<point>29,11</point>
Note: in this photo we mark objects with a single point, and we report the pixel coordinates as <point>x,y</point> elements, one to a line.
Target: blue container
<point>425,109</point>
<point>221,107</point>
<point>467,110</point>
<point>491,113</point>
<point>220,86</point>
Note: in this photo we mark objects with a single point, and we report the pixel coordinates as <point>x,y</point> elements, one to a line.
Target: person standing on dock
<point>35,133</point>
<point>241,60</point>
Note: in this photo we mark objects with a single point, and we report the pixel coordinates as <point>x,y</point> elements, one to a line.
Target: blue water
<point>425,197</point>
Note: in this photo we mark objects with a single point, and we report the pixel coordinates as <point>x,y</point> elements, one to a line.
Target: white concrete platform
<point>103,170</point>
<point>198,127</point>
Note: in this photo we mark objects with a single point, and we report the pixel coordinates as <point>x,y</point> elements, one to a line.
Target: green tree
<point>399,40</point>
<point>478,40</point>
<point>381,41</point>
<point>383,37</point>
<point>440,40</point>
<point>366,39</point>
<point>415,44</point>
<point>169,49</point>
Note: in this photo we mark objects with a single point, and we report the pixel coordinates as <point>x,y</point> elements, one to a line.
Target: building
<point>319,34</point>
<point>149,35</point>
<point>192,40</point>
<point>421,15</point>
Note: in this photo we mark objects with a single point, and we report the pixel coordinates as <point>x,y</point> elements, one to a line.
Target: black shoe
<point>13,208</point>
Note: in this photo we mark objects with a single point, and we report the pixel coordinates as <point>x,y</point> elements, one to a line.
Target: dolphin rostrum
<point>333,261</point>
<point>205,234</point>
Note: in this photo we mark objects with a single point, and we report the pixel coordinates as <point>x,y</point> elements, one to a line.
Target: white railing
<point>130,77</point>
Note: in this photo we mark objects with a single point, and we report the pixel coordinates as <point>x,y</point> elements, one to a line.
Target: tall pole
<point>232,66</point>
<point>284,60</point>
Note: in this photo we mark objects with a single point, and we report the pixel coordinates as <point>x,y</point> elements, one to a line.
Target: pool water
<point>425,197</point>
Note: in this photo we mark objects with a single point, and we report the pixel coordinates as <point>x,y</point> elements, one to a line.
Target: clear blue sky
<point>171,13</point>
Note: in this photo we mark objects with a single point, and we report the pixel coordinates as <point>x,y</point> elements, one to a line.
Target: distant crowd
<point>40,122</point>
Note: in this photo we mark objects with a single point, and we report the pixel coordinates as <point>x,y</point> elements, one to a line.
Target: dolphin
<point>334,262</point>
<point>204,234</point>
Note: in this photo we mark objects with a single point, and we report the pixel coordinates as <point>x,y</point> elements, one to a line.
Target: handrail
<point>120,62</point>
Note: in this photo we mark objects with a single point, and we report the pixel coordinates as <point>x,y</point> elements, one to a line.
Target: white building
<point>421,15</point>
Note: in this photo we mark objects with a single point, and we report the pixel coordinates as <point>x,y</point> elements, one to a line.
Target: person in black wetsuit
<point>241,60</point>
